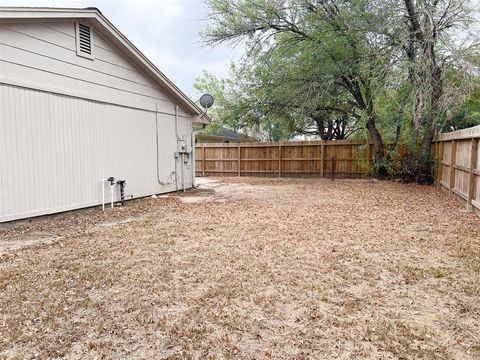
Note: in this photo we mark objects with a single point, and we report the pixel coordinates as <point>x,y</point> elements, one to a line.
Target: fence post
<point>471,176</point>
<point>279,160</point>
<point>203,161</point>
<point>439,165</point>
<point>453,160</point>
<point>322,157</point>
<point>333,168</point>
<point>239,164</point>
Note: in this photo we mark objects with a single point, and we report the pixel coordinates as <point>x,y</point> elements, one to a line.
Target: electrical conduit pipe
<point>181,153</point>
<point>110,180</point>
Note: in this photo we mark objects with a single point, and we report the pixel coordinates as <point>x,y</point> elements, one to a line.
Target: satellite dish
<point>206,100</point>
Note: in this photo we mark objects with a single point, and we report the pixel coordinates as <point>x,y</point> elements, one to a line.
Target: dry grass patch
<point>248,268</point>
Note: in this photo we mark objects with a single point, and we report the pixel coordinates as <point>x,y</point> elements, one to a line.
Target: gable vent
<point>84,40</point>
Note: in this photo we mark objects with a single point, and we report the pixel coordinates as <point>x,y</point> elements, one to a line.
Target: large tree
<point>439,70</point>
<point>287,83</point>
<point>396,67</point>
<point>345,40</point>
<point>282,90</point>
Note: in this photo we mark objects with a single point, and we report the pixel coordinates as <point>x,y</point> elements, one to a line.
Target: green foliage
<point>468,114</point>
<point>396,71</point>
<point>308,64</point>
<point>237,108</point>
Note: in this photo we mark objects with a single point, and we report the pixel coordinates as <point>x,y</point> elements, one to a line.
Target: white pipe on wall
<point>103,194</point>
<point>156,138</point>
<point>168,181</point>
<point>178,152</point>
<point>176,124</point>
<point>112,191</point>
<point>183,177</point>
<point>176,177</point>
<point>175,159</point>
<point>192,158</point>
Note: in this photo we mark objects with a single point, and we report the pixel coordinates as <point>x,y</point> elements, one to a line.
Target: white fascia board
<point>44,13</point>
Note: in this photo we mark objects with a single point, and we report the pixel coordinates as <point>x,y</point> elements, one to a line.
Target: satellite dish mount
<point>206,101</point>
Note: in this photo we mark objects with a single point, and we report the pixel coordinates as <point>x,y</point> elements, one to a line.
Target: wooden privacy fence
<point>341,158</point>
<point>457,156</point>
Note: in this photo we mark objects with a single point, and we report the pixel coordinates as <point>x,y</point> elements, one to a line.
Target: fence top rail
<point>286,143</point>
<point>470,133</point>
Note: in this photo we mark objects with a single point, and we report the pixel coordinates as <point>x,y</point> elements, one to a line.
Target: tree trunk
<point>380,168</point>
<point>364,101</point>
<point>426,77</point>
<point>418,110</point>
<point>379,160</point>
<point>425,171</point>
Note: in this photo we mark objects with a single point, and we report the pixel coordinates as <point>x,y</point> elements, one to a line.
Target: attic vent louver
<point>84,37</point>
<point>84,40</point>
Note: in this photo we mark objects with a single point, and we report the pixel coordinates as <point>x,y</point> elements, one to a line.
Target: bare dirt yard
<point>248,268</point>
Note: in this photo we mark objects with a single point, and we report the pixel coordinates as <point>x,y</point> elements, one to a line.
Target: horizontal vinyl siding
<point>26,46</point>
<point>56,149</point>
<point>45,54</point>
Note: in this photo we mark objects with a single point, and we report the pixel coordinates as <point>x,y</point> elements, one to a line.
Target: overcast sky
<point>166,31</point>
